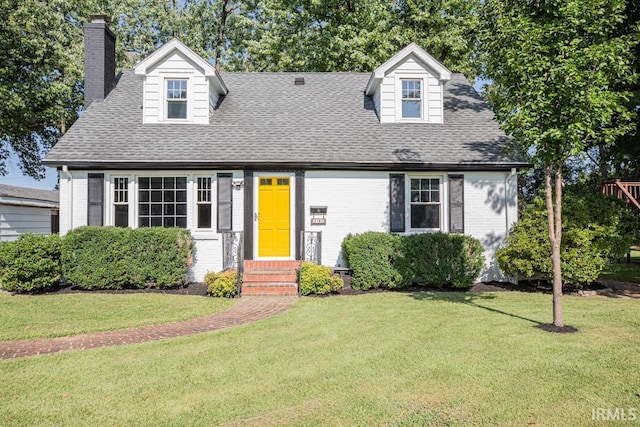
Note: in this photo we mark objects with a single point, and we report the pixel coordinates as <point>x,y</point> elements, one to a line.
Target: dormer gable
<point>179,85</point>
<point>409,87</point>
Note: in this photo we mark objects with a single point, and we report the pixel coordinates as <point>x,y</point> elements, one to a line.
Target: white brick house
<point>409,148</point>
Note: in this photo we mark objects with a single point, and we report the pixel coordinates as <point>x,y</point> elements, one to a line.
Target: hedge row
<point>115,258</point>
<point>98,258</point>
<point>385,260</point>
<point>30,264</point>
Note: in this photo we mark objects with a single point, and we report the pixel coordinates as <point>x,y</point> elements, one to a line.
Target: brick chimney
<point>99,59</point>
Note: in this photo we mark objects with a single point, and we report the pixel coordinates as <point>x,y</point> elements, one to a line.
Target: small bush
<point>224,284</point>
<point>372,257</point>
<point>440,259</point>
<point>117,258</point>
<point>317,279</point>
<point>30,264</point>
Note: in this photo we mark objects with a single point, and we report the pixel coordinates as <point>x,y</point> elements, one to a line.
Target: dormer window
<point>411,99</point>
<point>176,99</point>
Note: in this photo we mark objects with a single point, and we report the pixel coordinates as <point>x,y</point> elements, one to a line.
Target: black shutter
<point>95,199</point>
<point>456,203</point>
<point>225,202</point>
<point>396,202</point>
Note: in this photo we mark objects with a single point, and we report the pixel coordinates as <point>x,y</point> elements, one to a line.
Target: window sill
<point>423,230</point>
<point>205,235</point>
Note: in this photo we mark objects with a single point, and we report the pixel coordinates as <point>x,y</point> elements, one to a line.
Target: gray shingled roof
<point>265,118</point>
<point>14,192</point>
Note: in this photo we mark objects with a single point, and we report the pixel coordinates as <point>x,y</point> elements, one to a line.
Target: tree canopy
<point>560,71</point>
<point>41,51</point>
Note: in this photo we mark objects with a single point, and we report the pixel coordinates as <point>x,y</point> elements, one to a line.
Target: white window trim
<point>133,198</point>
<point>424,111</point>
<point>214,197</point>
<point>162,107</point>
<point>112,199</point>
<point>444,222</point>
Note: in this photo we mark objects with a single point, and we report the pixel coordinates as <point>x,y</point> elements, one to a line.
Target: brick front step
<point>248,265</point>
<point>270,278</point>
<point>283,290</point>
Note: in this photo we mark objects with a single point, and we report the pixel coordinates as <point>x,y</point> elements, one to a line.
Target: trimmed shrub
<point>372,257</point>
<point>318,279</point>
<point>223,284</point>
<point>391,261</point>
<point>440,259</point>
<point>30,264</point>
<point>593,236</point>
<point>116,258</point>
<point>162,256</point>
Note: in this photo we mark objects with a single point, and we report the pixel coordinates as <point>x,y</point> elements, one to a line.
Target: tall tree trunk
<point>221,29</point>
<point>602,163</point>
<point>554,220</point>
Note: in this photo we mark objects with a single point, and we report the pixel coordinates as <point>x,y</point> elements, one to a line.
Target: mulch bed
<point>195,288</point>
<point>531,286</point>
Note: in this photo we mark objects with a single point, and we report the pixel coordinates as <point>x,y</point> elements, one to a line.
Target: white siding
<point>376,100</point>
<point>488,213</point>
<point>16,220</point>
<point>199,100</point>
<point>390,90</point>
<point>208,256</point>
<point>356,202</point>
<point>73,198</point>
<point>359,201</point>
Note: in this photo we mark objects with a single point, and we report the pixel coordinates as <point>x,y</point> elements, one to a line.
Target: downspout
<point>506,200</point>
<point>65,171</point>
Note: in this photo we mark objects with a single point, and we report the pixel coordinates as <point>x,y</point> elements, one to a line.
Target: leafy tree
<point>41,60</point>
<point>358,35</point>
<point>553,64</point>
<point>40,73</point>
<point>594,235</point>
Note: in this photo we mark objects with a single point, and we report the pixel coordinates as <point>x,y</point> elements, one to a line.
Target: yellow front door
<point>274,234</point>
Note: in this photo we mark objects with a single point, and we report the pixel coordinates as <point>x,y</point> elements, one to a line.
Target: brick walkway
<point>249,309</point>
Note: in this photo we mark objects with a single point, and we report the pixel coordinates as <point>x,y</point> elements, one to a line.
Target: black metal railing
<point>311,246</point>
<point>232,253</point>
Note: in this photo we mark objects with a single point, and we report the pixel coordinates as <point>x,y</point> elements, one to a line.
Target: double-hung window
<point>121,202</point>
<point>425,203</point>
<point>176,99</point>
<point>204,202</point>
<point>411,98</point>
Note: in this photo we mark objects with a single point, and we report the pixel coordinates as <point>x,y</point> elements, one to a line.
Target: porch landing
<point>270,278</point>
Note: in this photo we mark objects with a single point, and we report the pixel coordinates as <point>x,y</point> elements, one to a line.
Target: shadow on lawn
<point>467,299</point>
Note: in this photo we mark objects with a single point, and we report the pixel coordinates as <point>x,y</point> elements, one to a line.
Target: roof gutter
<point>275,165</point>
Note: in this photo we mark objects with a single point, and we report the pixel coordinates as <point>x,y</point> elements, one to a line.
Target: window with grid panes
<point>411,99</point>
<point>121,202</point>
<point>425,203</point>
<point>176,99</point>
<point>162,202</point>
<point>204,202</point>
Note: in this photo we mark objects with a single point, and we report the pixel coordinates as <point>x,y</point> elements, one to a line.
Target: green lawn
<point>41,316</point>
<point>377,359</point>
<point>624,272</point>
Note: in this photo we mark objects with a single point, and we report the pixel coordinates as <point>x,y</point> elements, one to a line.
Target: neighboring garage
<point>27,210</point>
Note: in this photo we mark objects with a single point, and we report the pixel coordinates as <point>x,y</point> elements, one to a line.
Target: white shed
<point>27,210</point>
